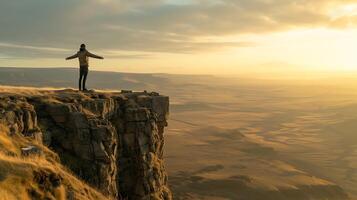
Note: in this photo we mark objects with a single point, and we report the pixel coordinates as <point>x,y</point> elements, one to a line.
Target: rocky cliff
<point>112,141</point>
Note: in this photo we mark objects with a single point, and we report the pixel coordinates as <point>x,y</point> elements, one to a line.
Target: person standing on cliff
<point>83,56</point>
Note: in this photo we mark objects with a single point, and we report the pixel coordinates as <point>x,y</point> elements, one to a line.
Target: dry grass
<point>17,173</point>
<point>16,179</point>
<point>37,90</point>
<point>27,90</point>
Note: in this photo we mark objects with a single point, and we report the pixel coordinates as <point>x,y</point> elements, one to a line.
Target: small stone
<point>154,94</point>
<point>30,150</point>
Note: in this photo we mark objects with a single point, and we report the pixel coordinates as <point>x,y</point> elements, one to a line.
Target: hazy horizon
<point>312,75</point>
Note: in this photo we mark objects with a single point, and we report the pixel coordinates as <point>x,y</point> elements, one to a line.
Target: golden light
<point>344,10</point>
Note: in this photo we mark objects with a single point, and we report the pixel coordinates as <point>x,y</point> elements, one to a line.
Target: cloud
<point>24,52</point>
<point>154,25</point>
<point>34,47</point>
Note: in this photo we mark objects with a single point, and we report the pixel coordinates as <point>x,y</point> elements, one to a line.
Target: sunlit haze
<point>188,37</point>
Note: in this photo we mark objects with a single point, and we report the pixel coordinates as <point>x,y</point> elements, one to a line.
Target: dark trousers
<point>83,72</point>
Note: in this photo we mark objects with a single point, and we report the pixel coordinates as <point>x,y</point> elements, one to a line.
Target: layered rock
<point>113,141</point>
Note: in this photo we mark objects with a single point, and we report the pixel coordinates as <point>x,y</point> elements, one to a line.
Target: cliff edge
<point>113,142</point>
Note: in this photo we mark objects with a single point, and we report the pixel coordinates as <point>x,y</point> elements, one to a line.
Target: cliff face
<point>113,141</point>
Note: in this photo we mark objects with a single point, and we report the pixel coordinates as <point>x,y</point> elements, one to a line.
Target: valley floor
<point>263,139</point>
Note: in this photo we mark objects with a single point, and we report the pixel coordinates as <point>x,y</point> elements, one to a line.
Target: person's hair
<point>83,47</point>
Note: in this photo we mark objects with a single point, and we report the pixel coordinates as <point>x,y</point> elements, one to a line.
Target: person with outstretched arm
<point>83,57</point>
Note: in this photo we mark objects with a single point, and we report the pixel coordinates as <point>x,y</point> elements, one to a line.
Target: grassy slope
<point>30,177</point>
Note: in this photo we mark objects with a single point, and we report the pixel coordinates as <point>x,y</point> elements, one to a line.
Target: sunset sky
<point>182,36</point>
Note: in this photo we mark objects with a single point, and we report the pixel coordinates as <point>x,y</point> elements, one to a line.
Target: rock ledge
<point>113,141</point>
